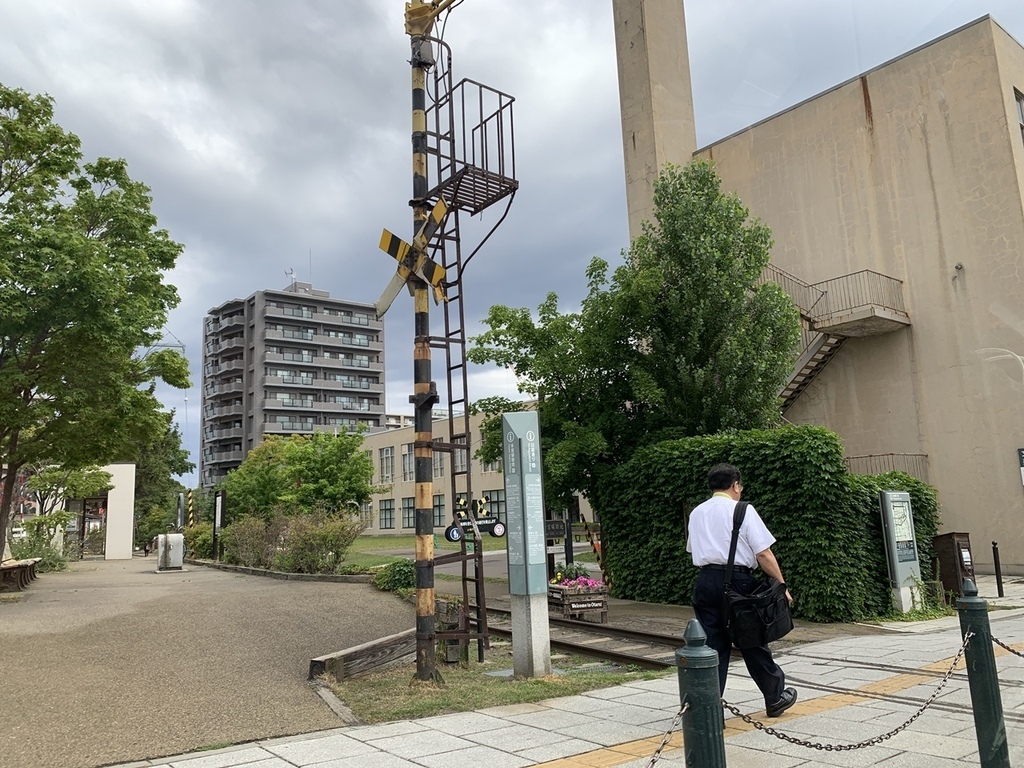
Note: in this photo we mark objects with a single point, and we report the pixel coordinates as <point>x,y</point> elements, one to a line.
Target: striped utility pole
<point>419,19</point>
<point>191,510</point>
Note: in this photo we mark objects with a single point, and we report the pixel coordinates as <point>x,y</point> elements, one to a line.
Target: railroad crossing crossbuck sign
<point>413,260</point>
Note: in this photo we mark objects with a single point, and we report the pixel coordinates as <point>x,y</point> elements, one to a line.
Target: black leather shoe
<point>788,700</point>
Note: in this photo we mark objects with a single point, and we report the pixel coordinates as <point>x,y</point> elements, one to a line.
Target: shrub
<point>826,521</point>
<point>399,576</point>
<point>50,557</point>
<point>317,543</point>
<point>253,541</point>
<point>199,540</point>
<point>42,533</point>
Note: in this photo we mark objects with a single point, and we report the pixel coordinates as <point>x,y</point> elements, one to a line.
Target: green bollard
<point>983,679</point>
<point>703,722</point>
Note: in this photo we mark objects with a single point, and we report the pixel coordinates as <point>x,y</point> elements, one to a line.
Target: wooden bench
<point>16,575</point>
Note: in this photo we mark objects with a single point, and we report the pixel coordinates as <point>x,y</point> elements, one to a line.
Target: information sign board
<point>524,504</point>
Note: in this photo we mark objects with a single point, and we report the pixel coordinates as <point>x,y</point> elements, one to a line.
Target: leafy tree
<point>301,471</point>
<point>81,286</point>
<point>682,340</point>
<point>49,486</point>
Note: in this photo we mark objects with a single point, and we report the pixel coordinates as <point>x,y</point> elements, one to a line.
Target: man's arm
<point>766,559</point>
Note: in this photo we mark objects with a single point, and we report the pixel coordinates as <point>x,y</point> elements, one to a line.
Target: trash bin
<point>953,551</point>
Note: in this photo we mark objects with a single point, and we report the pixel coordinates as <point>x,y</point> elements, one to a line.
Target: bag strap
<point>738,514</point>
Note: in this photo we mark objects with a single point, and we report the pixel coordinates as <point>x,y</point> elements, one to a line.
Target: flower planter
<point>585,604</point>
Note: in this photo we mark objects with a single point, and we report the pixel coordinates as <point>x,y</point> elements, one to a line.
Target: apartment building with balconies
<point>292,361</point>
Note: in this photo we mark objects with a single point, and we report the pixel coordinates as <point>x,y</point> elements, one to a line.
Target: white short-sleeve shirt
<point>710,531</point>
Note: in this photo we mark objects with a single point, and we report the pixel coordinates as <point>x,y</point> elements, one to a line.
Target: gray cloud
<point>276,135</point>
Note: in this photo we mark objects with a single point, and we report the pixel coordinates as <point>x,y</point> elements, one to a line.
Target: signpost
<point>527,544</point>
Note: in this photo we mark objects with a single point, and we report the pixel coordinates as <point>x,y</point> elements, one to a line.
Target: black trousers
<point>709,605</point>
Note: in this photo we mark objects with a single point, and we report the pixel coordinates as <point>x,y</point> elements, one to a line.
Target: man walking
<point>708,539</point>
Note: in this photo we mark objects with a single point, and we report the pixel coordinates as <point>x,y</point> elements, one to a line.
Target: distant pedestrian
<point>708,537</point>
<point>145,549</point>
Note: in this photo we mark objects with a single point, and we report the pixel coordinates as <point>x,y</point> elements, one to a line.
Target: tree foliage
<point>49,486</point>
<point>299,472</point>
<point>681,340</point>
<point>82,289</point>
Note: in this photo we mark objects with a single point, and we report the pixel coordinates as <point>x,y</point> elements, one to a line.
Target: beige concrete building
<point>896,204</point>
<point>392,512</point>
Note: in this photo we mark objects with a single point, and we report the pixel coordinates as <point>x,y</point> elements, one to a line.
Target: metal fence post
<point>703,722</point>
<point>983,679</point>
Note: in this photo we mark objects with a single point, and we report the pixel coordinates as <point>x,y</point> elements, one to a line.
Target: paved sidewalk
<point>851,689</point>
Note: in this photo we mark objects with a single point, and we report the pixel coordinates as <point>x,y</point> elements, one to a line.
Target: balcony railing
<point>859,289</point>
<point>914,464</point>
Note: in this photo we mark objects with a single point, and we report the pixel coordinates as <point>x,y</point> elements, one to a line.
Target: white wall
<point>120,511</point>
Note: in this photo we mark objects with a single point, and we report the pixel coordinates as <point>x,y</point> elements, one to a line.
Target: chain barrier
<point>1004,646</point>
<point>860,744</point>
<point>668,735</point>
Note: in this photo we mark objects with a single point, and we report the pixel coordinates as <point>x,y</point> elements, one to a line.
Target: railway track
<point>627,647</point>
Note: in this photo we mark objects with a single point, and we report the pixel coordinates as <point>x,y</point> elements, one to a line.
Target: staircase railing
<point>858,289</point>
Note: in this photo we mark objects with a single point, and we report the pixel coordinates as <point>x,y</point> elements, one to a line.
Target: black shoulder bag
<point>762,616</point>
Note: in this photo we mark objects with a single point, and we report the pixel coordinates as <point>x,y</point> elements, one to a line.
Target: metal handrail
<point>859,289</point>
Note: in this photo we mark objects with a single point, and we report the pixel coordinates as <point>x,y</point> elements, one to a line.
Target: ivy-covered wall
<point>826,521</point>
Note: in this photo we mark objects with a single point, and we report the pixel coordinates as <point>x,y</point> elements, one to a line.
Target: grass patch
<point>393,694</point>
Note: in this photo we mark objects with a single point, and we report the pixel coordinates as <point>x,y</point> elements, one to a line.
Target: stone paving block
<point>917,760</point>
<point>474,757</point>
<point>933,744</point>
<point>304,753</point>
<point>559,749</point>
<point>303,736</point>
<point>658,685</point>
<point>853,759</point>
<point>552,720</point>
<point>633,715</point>
<point>384,730</point>
<point>221,758</point>
<point>610,734</point>
<point>609,693</point>
<point>516,738</point>
<point>508,710</point>
<point>377,760</point>
<point>422,745</point>
<point>461,723</point>
<point>745,757</point>
<point>654,701</point>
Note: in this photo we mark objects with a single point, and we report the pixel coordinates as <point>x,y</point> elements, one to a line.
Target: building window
<point>387,514</point>
<point>438,464</point>
<point>409,512</point>
<point>496,503</point>
<point>493,466</point>
<point>1020,111</point>
<point>439,511</point>
<point>387,464</point>
<point>408,462</point>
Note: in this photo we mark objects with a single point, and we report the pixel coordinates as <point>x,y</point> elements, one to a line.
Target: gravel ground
<point>111,662</point>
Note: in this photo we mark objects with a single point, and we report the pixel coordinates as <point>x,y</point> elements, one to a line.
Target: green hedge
<point>826,521</point>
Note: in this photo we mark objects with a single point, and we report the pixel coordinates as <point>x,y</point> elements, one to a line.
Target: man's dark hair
<point>722,476</point>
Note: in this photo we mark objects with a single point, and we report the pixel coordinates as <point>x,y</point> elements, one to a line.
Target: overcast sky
<point>275,134</point>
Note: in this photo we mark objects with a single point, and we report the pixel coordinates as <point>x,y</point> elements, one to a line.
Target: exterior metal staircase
<point>863,303</point>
